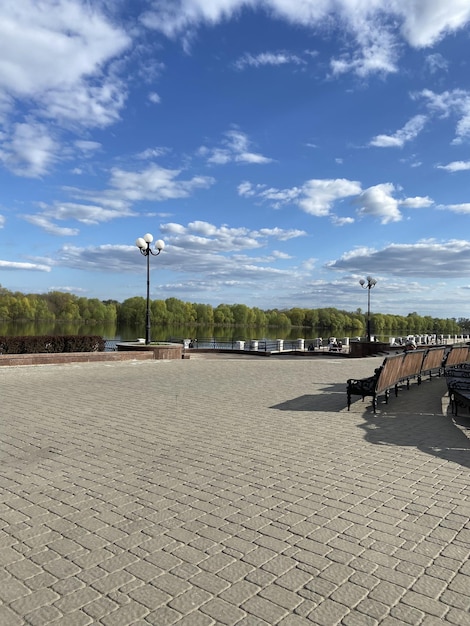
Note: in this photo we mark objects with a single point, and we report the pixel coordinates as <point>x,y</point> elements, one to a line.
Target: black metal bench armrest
<point>362,386</point>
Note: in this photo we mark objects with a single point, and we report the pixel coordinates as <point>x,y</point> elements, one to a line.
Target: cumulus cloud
<point>315,196</point>
<point>318,196</point>
<point>204,235</point>
<point>235,148</point>
<point>418,202</point>
<point>378,201</point>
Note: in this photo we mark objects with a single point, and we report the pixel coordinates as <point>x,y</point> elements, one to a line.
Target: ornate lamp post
<point>143,243</point>
<point>369,283</point>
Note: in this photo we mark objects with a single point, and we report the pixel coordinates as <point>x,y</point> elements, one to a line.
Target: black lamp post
<point>143,243</point>
<point>369,283</point>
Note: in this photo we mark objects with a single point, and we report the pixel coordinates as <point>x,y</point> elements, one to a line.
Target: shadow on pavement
<point>420,417</point>
<point>329,398</point>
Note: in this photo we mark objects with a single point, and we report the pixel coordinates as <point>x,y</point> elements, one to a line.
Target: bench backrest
<point>389,373</point>
<point>456,355</point>
<point>433,359</point>
<point>412,362</point>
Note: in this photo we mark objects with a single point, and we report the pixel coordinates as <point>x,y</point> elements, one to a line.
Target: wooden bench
<point>433,361</point>
<point>455,356</point>
<point>394,371</point>
<point>403,367</point>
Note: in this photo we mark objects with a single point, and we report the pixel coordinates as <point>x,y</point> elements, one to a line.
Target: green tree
<point>223,315</point>
<point>132,312</point>
<point>204,314</point>
<point>158,312</point>
<point>176,311</point>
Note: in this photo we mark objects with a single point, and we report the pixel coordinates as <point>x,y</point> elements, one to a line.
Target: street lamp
<point>368,284</point>
<point>143,243</point>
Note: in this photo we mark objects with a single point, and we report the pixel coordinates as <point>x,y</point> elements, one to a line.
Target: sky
<point>282,149</point>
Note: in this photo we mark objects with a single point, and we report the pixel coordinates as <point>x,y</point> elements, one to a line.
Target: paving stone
<point>218,513</point>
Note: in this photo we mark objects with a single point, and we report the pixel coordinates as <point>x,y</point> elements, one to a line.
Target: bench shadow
<point>329,398</point>
<point>428,426</point>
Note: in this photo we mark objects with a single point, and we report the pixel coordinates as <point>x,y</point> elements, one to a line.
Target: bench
<point>402,367</point>
<point>455,356</point>
<point>433,362</point>
<point>458,386</point>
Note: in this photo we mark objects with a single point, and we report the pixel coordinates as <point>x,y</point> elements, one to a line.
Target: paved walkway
<point>229,491</point>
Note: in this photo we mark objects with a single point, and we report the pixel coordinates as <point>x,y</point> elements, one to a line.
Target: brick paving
<point>231,491</point>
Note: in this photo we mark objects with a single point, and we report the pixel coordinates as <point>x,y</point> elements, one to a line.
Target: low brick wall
<point>72,357</point>
<point>159,351</point>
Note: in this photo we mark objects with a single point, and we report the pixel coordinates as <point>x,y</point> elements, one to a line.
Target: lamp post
<point>143,243</point>
<point>369,283</point>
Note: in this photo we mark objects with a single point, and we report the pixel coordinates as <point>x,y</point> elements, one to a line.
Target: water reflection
<point>159,333</point>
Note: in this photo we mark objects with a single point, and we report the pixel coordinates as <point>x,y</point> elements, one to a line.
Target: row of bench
<point>399,369</point>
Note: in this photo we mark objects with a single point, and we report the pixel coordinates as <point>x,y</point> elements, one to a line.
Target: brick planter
<point>161,351</point>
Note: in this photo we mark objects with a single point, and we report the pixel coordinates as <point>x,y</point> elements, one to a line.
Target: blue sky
<point>282,149</point>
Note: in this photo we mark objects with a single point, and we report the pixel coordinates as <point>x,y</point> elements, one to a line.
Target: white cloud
<point>51,49</point>
<point>87,146</point>
<point>458,208</point>
<point>154,97</point>
<point>455,166</point>
<point>418,202</point>
<point>436,62</point>
<point>29,150</point>
<point>409,132</point>
<point>425,22</point>
<point>125,187</point>
<point>153,183</point>
<point>455,102</point>
<point>315,196</point>
<point>377,201</point>
<point>2,221</point>
<point>424,259</point>
<point>268,58</point>
<point>235,148</point>
<point>377,27</point>
<point>206,236</point>
<point>43,222</point>
<point>13,265</point>
<point>319,195</point>
<point>341,221</point>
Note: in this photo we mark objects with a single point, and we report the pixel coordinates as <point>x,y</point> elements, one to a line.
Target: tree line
<point>65,307</point>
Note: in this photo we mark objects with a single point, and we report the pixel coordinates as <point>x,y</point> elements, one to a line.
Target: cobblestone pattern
<point>231,492</point>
